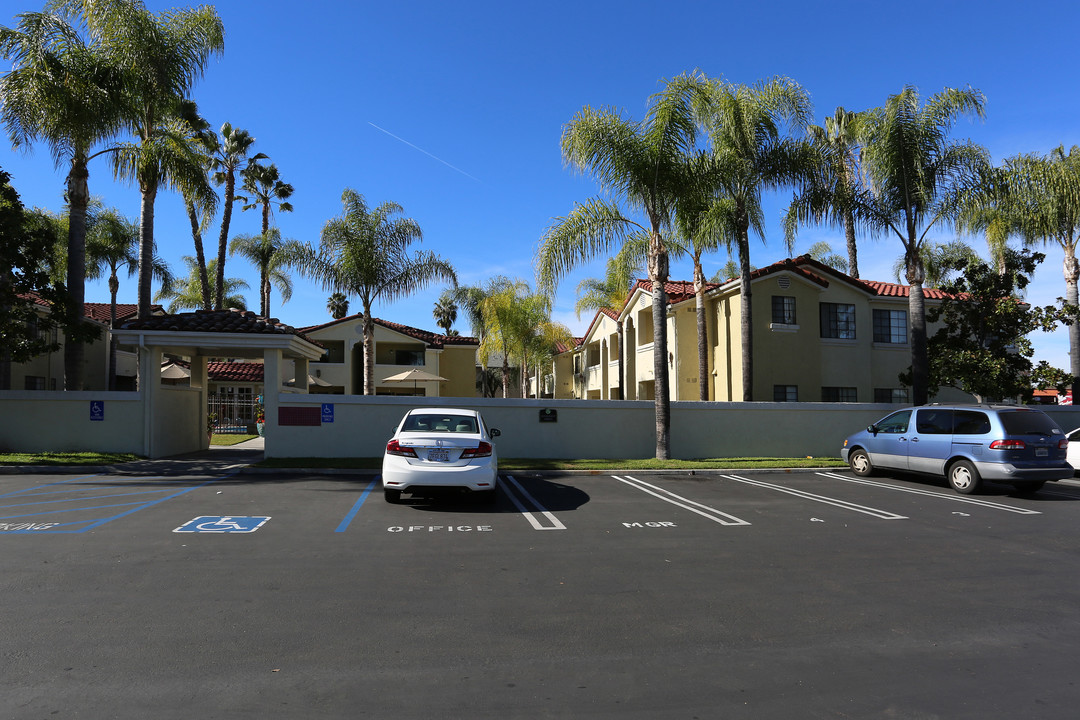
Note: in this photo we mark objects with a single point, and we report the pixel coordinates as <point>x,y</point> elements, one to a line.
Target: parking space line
<point>874,512</point>
<point>80,498</point>
<point>537,525</point>
<point>669,497</point>
<point>930,493</point>
<point>344,525</point>
<point>46,485</point>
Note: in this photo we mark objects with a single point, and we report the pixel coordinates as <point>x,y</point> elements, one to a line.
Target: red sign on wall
<point>300,416</point>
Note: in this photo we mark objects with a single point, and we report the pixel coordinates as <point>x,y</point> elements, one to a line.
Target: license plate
<point>1041,452</point>
<point>439,455</point>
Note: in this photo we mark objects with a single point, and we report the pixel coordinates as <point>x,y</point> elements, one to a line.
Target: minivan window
<point>1028,422</point>
<point>895,424</point>
<point>934,422</point>
<point>970,422</point>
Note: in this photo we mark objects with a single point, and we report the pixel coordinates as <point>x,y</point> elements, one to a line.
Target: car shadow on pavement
<point>534,494</point>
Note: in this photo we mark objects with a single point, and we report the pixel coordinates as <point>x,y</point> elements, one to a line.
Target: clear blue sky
<point>454,111</point>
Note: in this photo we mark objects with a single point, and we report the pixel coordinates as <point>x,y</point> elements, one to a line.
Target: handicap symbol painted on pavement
<point>223,524</point>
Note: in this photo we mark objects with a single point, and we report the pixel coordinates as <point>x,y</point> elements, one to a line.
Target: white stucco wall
<point>38,421</point>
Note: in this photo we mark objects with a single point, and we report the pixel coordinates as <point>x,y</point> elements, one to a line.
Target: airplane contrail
<point>414,147</point>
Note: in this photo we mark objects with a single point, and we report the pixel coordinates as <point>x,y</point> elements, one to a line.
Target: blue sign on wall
<point>97,410</point>
<point>223,524</point>
<point>328,412</point>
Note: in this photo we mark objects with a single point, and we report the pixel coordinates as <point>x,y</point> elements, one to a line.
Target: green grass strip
<point>68,458</point>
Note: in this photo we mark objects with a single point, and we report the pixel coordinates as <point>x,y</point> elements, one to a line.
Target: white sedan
<point>1073,453</point>
<point>440,448</point>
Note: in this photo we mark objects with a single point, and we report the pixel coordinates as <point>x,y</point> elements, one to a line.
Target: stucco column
<point>198,380</point>
<point>271,392</point>
<point>150,389</point>
<point>300,379</point>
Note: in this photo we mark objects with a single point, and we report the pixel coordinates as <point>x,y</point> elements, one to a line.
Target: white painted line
<point>883,514</point>
<point>930,493</point>
<point>712,514</point>
<point>555,524</point>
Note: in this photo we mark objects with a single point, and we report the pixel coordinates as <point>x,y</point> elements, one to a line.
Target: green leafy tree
<point>161,56</point>
<point>263,189</point>
<point>445,313</point>
<point>186,294</point>
<point>983,347</point>
<point>365,252</point>
<point>609,293</point>
<point>823,253</point>
<point>64,92</point>
<point>271,255</point>
<point>751,153</point>
<point>228,156</point>
<point>200,202</point>
<point>916,175</point>
<point>643,164</point>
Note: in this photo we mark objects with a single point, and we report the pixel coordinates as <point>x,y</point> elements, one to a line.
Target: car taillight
<point>394,448</point>
<point>1063,444</point>
<point>484,450</point>
<point>1008,445</point>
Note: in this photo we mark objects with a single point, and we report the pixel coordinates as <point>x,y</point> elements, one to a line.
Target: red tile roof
<point>235,372</point>
<point>434,340</point>
<point>216,321</point>
<point>98,311</point>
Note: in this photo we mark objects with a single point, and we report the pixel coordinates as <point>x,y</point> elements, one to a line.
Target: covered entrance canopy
<point>175,418</point>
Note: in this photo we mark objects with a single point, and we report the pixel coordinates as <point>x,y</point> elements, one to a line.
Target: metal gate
<point>233,410</point>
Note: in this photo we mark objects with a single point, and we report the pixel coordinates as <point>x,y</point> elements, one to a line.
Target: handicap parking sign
<point>223,524</point>
<point>328,412</point>
<point>97,410</point>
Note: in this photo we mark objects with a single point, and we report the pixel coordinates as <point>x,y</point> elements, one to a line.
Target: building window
<point>890,395</point>
<point>412,358</point>
<point>33,382</point>
<point>890,326</point>
<point>335,351</point>
<point>785,393</point>
<point>783,310</point>
<point>838,321</point>
<point>839,394</point>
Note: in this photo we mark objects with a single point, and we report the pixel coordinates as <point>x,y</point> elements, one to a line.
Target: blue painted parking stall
<point>87,502</point>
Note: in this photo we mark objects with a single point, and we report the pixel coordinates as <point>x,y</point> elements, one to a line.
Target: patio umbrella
<point>414,376</point>
<point>311,380</point>
<point>174,372</point>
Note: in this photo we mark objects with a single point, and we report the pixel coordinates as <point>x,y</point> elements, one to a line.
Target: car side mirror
<point>494,432</point>
<point>872,429</point>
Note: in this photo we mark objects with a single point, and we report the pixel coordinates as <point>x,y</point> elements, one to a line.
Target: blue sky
<point>454,111</point>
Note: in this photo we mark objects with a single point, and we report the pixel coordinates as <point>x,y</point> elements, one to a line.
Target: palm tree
<point>749,154</point>
<point>823,253</point>
<point>161,56</point>
<point>112,246</point>
<point>1043,195</point>
<point>228,155</point>
<point>187,294</point>
<point>645,164</point>
<point>609,294</point>
<point>830,194</point>
<point>264,189</point>
<point>337,305</point>
<point>445,313</point>
<point>64,93</point>
<point>199,202</point>
<point>916,176</point>
<point>365,252</point>
<point>271,255</point>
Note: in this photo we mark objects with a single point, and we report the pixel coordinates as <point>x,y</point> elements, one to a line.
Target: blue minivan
<point>966,444</point>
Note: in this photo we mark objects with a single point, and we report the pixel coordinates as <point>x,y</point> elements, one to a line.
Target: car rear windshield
<point>1028,422</point>
<point>440,423</point>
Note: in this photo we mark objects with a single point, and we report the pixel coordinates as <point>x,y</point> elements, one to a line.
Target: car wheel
<point>392,496</point>
<point>963,477</point>
<point>1029,488</point>
<point>860,463</point>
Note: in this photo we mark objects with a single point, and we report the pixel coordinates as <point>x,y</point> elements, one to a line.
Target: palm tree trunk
<point>114,288</point>
<point>78,196</point>
<point>223,240</point>
<point>702,334</point>
<point>746,320</point>
<point>148,190</point>
<point>200,255</point>
<point>849,236</point>
<point>505,377</point>
<point>658,275</point>
<point>369,352</point>
<point>1072,274</point>
<point>920,362</point>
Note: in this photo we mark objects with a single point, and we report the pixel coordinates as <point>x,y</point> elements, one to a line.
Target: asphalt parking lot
<point>199,591</point>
